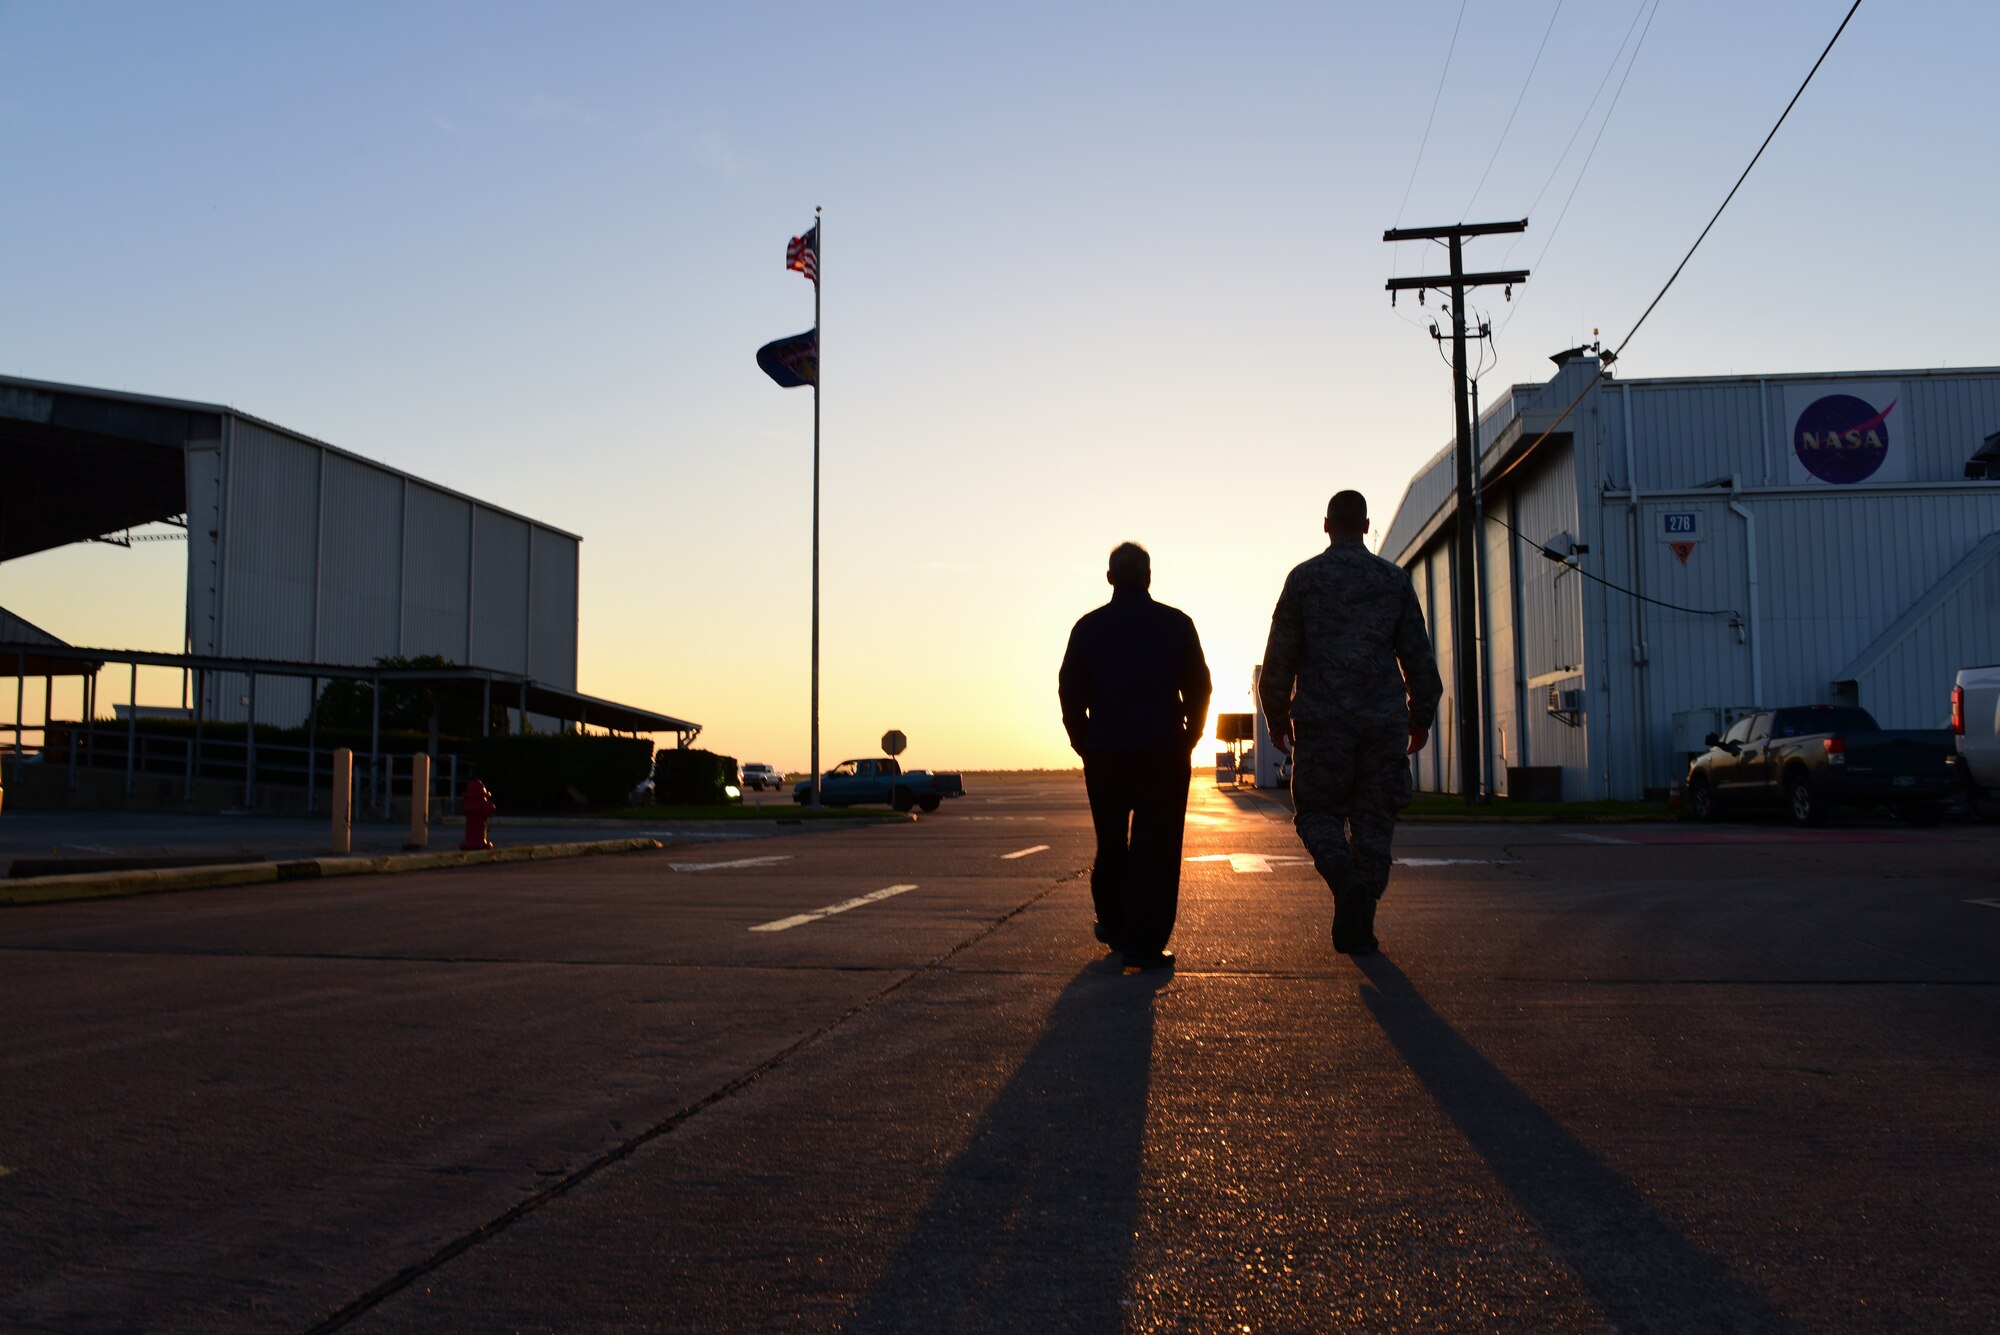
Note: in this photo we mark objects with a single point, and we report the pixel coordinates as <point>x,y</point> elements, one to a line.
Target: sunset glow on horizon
<point>1084,280</point>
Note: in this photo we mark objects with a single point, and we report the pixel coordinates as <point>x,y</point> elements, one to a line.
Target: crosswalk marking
<point>801,919</point>
<point>1023,852</point>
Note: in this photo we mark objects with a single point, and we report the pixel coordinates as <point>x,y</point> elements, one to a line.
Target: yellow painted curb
<point>162,880</point>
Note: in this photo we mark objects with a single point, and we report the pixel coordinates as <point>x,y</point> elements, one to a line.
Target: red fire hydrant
<point>479,808</point>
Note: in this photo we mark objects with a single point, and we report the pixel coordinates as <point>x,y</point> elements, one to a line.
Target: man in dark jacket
<point>1350,688</point>
<point>1135,690</point>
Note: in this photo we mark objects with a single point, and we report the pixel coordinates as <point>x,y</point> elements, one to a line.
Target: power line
<point>1466,212</point>
<point>1583,120</point>
<point>1746,171</point>
<point>1605,362</point>
<point>1435,98</point>
<point>1558,557</point>
<point>1601,127</point>
<point>1425,141</point>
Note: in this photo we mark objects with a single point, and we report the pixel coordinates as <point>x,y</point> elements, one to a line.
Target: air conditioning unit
<point>1566,705</point>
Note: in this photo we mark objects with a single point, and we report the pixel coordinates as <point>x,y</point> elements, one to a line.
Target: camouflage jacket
<point>1348,631</point>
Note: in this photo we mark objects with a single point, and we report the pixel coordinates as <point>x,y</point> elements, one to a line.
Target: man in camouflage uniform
<point>1349,690</point>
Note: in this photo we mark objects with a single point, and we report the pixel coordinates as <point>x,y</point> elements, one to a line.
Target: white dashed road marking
<point>1595,838</point>
<point>1455,862</point>
<point>1985,903</point>
<point>1023,852</point>
<point>1252,864</point>
<point>721,866</point>
<point>801,919</point>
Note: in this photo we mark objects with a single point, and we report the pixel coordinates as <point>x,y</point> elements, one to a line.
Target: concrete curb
<point>164,880</point>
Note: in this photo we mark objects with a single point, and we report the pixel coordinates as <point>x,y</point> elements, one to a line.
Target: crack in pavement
<point>458,1246</point>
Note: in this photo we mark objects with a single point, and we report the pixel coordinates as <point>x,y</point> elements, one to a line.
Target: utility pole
<point>1465,632</point>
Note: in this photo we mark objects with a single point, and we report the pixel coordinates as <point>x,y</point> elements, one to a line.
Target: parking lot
<point>1631,1077</point>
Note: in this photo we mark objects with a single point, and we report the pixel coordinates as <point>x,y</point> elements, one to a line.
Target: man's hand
<point>1282,737</point>
<point>1418,736</point>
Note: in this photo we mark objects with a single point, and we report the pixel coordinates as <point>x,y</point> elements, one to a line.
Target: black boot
<point>1347,911</point>
<point>1364,942</point>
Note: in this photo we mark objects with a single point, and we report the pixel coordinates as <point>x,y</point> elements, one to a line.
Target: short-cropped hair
<point>1130,566</point>
<point>1347,511</point>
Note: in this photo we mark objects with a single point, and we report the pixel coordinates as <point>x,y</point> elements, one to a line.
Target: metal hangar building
<point>304,560</point>
<point>1669,553</point>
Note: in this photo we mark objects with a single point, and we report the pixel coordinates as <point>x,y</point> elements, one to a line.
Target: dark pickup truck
<point>860,781</point>
<point>1808,760</point>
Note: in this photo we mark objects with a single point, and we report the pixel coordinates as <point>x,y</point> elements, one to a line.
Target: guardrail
<point>379,780</point>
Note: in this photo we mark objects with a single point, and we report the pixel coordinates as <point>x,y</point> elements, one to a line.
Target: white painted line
<point>1021,853</point>
<point>723,866</point>
<point>1253,864</point>
<point>1596,838</point>
<point>1985,903</point>
<point>801,919</point>
<point>1455,862</point>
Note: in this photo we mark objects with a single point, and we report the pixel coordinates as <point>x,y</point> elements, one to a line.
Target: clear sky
<point>1092,272</point>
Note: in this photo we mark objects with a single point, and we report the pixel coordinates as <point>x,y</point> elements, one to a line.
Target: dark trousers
<point>1348,783</point>
<point>1138,802</point>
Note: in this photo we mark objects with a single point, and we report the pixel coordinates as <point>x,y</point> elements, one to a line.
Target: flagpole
<point>819,238</point>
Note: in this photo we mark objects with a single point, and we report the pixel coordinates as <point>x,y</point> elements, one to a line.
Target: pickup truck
<point>857,781</point>
<point>1975,726</point>
<point>1808,760</point>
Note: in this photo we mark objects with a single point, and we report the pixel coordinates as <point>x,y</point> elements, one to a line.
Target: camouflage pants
<point>1348,782</point>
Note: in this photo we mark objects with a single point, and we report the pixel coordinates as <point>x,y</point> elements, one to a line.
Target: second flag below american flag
<point>802,254</point>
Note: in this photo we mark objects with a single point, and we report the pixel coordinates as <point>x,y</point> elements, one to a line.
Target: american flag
<point>802,253</point>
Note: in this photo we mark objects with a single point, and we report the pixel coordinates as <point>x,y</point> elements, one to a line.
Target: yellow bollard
<point>343,800</point>
<point>420,801</point>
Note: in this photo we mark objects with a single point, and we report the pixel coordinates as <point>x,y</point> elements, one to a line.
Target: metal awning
<point>50,657</point>
<point>29,655</point>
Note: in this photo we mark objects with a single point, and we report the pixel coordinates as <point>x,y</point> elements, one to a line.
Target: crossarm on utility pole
<point>1495,279</point>
<point>1455,230</point>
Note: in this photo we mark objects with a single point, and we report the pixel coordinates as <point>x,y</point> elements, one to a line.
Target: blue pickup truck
<point>853,782</point>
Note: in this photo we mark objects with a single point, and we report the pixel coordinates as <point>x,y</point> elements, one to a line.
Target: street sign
<point>893,743</point>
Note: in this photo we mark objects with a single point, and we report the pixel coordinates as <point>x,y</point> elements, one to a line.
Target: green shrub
<point>689,777</point>
<point>559,771</point>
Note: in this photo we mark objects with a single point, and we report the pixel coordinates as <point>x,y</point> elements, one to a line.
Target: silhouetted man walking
<point>1349,688</point>
<point>1135,690</point>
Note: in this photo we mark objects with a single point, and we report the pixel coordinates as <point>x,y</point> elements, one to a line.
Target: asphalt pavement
<point>52,838</point>
<point>1630,1078</point>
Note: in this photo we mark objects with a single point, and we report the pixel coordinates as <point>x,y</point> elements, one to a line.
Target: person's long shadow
<point>1031,1228</point>
<point>1642,1272</point>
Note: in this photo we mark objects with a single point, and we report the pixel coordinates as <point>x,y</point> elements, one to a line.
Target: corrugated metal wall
<point>1839,570</point>
<point>324,557</point>
<point>552,628</point>
<point>1689,432</point>
<point>1552,608</point>
<point>1911,686</point>
<point>1835,566</point>
<point>270,493</point>
<point>361,564</point>
<point>437,583</point>
<point>1500,644</point>
<point>500,592</point>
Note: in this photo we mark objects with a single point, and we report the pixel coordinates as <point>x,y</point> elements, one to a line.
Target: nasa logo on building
<point>1842,439</point>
